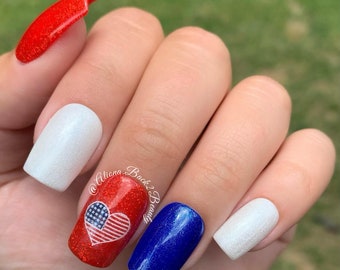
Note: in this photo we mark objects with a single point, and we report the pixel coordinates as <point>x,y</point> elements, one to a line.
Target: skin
<point>176,87</point>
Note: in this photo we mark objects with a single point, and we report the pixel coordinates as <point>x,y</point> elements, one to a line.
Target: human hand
<point>152,98</point>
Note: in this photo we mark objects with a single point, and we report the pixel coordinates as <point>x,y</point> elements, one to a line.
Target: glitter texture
<point>169,240</point>
<point>108,220</point>
<point>49,26</point>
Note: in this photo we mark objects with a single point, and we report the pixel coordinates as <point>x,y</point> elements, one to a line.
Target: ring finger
<point>243,136</point>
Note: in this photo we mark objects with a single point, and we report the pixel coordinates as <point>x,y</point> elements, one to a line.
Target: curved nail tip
<point>48,27</point>
<point>247,227</point>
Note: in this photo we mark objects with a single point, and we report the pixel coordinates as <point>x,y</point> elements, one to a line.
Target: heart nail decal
<point>108,220</point>
<point>103,227</point>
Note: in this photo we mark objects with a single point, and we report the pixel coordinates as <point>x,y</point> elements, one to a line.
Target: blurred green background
<point>295,42</point>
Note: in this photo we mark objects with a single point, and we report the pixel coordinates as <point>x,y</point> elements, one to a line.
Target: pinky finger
<point>281,195</point>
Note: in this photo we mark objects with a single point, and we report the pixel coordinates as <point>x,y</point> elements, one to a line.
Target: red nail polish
<point>108,220</point>
<point>49,26</point>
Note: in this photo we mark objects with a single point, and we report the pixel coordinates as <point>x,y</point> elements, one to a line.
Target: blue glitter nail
<point>169,240</point>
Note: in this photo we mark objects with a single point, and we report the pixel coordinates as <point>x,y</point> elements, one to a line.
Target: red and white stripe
<point>115,228</point>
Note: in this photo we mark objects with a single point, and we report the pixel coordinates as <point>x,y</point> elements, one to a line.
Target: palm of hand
<point>35,220</point>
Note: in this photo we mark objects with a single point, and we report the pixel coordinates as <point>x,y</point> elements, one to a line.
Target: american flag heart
<point>103,227</point>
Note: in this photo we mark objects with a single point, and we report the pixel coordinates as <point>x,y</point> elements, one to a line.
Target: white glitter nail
<point>247,227</point>
<point>64,146</point>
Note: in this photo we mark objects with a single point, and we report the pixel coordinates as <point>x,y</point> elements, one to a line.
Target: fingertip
<point>69,44</point>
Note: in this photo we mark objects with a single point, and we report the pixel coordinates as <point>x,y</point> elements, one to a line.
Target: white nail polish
<point>64,146</point>
<point>247,227</point>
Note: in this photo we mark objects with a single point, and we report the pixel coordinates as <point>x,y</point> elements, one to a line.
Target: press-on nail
<point>49,26</point>
<point>169,240</point>
<point>247,227</point>
<point>108,220</point>
<point>64,146</point>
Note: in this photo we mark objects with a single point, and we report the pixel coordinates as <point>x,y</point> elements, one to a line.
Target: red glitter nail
<point>108,220</point>
<point>49,26</point>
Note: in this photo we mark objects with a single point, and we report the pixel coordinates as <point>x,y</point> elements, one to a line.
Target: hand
<point>159,110</point>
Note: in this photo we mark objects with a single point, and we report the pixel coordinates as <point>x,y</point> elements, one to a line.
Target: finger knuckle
<point>297,176</point>
<point>220,171</point>
<point>136,20</point>
<point>202,43</point>
<point>268,90</point>
<point>321,141</point>
<point>155,137</point>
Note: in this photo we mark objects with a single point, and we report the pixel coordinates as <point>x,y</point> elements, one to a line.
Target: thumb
<point>26,87</point>
<point>44,54</point>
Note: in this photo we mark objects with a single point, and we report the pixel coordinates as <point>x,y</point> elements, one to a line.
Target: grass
<point>295,42</point>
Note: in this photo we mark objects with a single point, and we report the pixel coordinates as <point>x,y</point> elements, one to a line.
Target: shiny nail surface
<point>108,220</point>
<point>169,240</point>
<point>247,227</point>
<point>64,146</point>
<point>49,26</point>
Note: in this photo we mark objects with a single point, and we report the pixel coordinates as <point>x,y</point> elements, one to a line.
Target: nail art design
<point>64,146</point>
<point>49,26</point>
<point>169,240</point>
<point>108,220</point>
<point>247,227</point>
<point>104,227</point>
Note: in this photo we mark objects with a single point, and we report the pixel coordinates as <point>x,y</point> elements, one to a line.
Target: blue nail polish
<point>169,240</point>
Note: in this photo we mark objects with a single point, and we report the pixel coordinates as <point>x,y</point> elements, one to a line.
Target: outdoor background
<point>295,42</point>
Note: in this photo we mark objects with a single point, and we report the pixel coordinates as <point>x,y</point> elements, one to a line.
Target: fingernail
<point>48,27</point>
<point>247,227</point>
<point>64,146</point>
<point>108,220</point>
<point>169,240</point>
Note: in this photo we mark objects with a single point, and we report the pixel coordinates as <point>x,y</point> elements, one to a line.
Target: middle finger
<point>181,88</point>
